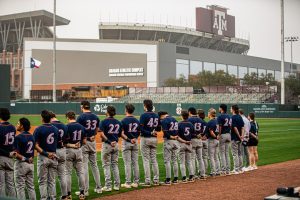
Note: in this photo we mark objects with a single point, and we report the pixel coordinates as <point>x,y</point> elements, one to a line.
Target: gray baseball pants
<point>130,154</point>
<point>185,158</point>
<point>148,150</point>
<point>110,158</point>
<point>213,151</point>
<point>171,149</point>
<point>47,171</point>
<point>205,153</point>
<point>225,140</point>
<point>236,147</point>
<point>197,156</point>
<point>245,155</point>
<point>7,187</point>
<point>74,160</point>
<point>61,170</point>
<point>24,177</point>
<point>89,154</point>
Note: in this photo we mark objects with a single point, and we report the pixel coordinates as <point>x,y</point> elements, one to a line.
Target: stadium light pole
<point>282,54</point>
<point>54,52</point>
<point>292,39</point>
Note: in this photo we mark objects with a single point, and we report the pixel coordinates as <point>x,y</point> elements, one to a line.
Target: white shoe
<point>235,172</point>
<point>134,185</point>
<point>85,194</point>
<point>98,190</point>
<point>106,189</point>
<point>116,188</point>
<point>255,167</point>
<point>125,185</point>
<point>247,169</point>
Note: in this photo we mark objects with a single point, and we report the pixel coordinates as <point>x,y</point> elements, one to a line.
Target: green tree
<point>173,82</point>
<point>254,79</point>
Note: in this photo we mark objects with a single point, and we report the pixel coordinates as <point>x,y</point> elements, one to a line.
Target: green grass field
<point>279,142</point>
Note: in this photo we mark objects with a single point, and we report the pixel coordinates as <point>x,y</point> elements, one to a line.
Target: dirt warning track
<point>251,185</point>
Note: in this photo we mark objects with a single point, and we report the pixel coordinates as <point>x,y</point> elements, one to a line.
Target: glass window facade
<point>209,67</point>
<point>232,70</point>
<point>242,71</point>
<point>221,67</point>
<point>271,72</point>
<point>195,67</point>
<point>277,75</point>
<point>252,70</point>
<point>182,68</point>
<point>261,72</point>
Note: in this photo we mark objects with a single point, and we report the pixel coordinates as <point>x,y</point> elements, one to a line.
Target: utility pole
<point>54,52</point>
<point>282,54</point>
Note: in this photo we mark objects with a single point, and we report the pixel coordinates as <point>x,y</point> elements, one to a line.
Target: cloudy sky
<point>257,20</point>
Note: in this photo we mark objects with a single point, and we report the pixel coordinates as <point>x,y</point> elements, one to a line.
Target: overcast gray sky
<point>257,19</point>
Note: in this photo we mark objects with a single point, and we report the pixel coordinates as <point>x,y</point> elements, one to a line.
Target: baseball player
<point>7,137</point>
<point>245,151</point>
<point>150,124</point>
<point>46,137</point>
<point>130,149</point>
<point>212,134</point>
<point>61,153</point>
<point>237,134</point>
<point>224,123</point>
<point>201,115</point>
<point>111,130</point>
<point>171,146</point>
<point>24,168</point>
<point>185,132</point>
<point>197,143</point>
<point>91,123</point>
<point>76,138</point>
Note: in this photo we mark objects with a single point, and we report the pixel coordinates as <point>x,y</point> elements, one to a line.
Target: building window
<point>182,68</point>
<point>277,75</point>
<point>221,67</point>
<point>195,67</point>
<point>209,67</point>
<point>261,72</point>
<point>232,70</point>
<point>286,74</point>
<point>242,72</point>
<point>271,72</point>
<point>252,70</point>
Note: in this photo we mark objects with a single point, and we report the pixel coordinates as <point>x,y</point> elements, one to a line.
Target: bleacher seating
<point>196,98</point>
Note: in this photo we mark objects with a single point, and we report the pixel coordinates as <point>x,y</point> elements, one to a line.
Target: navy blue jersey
<point>169,127</point>
<point>224,121</point>
<point>62,133</point>
<point>112,129</point>
<point>149,122</point>
<point>212,126</point>
<point>203,127</point>
<point>198,123</point>
<point>24,144</point>
<point>7,137</point>
<point>76,133</point>
<point>253,128</point>
<point>237,121</point>
<point>90,122</point>
<point>131,127</point>
<point>46,136</point>
<point>185,130</point>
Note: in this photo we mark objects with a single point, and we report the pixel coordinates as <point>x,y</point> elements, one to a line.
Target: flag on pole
<point>34,63</point>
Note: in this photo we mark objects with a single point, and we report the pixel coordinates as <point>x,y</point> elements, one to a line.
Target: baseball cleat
<point>85,193</point>
<point>175,180</point>
<point>202,178</point>
<point>134,185</point>
<point>106,189</point>
<point>117,188</point>
<point>98,190</point>
<point>235,172</point>
<point>145,184</point>
<point>184,180</point>
<point>166,182</point>
<point>228,174</point>
<point>156,183</point>
<point>126,185</point>
<point>69,197</point>
<point>81,197</point>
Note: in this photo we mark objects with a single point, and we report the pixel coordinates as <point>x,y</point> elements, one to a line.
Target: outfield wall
<point>261,110</point>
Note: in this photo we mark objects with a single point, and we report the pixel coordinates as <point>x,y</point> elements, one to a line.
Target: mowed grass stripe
<point>279,142</point>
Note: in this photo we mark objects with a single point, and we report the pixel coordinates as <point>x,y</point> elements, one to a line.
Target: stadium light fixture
<point>292,39</point>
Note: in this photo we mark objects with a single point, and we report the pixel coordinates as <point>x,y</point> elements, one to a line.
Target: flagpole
<point>54,52</point>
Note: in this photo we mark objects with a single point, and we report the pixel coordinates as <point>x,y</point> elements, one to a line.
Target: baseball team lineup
<point>198,149</point>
